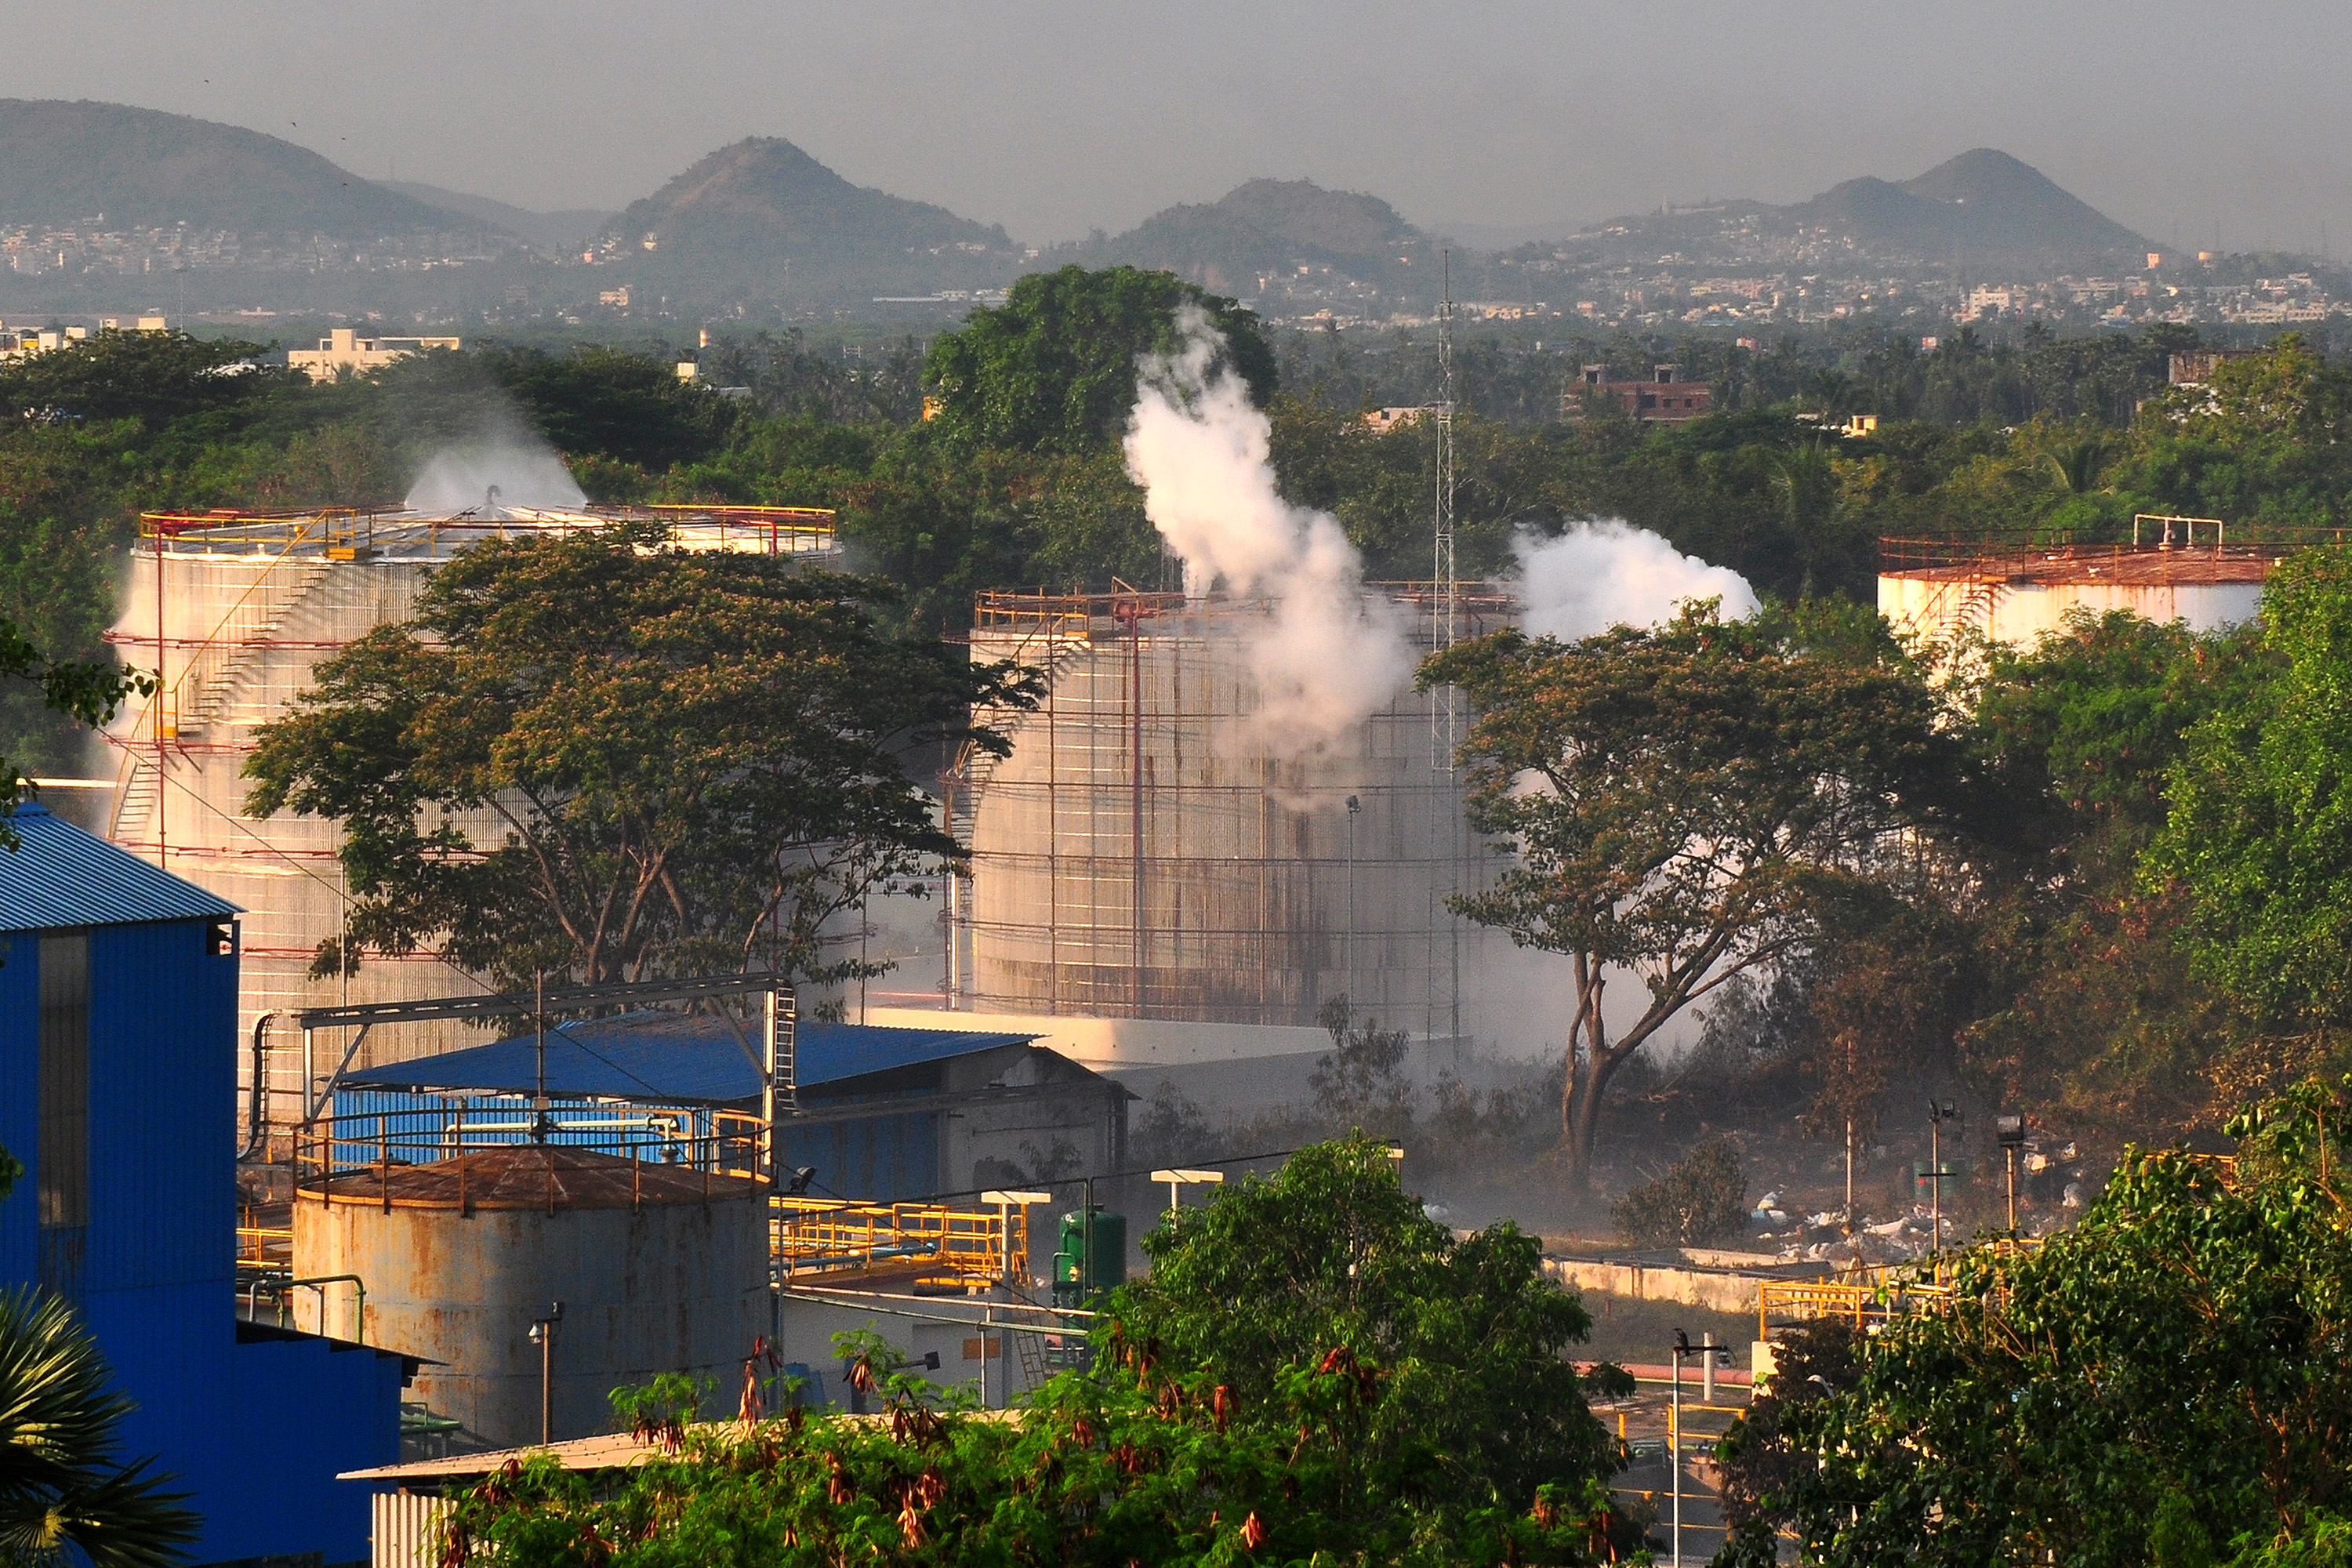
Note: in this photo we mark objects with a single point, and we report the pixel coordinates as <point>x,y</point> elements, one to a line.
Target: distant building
<point>2195,367</point>
<point>1665,397</point>
<point>1380,421</point>
<point>344,350</point>
<point>23,344</point>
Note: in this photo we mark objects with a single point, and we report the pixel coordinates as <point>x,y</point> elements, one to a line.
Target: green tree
<point>2163,1381</point>
<point>1677,802</point>
<point>1053,368</point>
<point>63,1490</point>
<point>153,377</point>
<point>1704,1198</point>
<point>694,760</point>
<point>1332,1252</point>
<point>2259,837</point>
<point>1316,1373</point>
<point>87,692</point>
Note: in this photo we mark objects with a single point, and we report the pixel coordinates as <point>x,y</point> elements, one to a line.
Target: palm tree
<point>60,1487</point>
<point>2076,467</point>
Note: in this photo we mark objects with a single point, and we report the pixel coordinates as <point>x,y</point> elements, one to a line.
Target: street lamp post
<point>1938,1112</point>
<point>2012,1131</point>
<point>1684,1349</point>
<point>1005,1202</point>
<point>1181,1177</point>
<point>542,1334</point>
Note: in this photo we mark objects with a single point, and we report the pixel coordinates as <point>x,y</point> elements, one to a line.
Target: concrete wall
<point>1718,1290</point>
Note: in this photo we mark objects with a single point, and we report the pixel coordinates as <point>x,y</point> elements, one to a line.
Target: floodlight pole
<point>1938,1112</point>
<point>2012,1130</point>
<point>1180,1178</point>
<point>543,1334</point>
<point>1707,1350</point>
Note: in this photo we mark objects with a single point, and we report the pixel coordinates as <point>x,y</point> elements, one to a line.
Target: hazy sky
<point>1052,118</point>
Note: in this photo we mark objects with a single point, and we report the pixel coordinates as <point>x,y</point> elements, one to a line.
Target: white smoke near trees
<point>527,473</point>
<point>1603,575</point>
<point>1326,655</point>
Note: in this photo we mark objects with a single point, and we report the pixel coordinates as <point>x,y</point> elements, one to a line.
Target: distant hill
<point>1263,231</point>
<point>763,220</point>
<point>1981,205</point>
<point>64,164</point>
<point>1983,210</point>
<point>557,232</point>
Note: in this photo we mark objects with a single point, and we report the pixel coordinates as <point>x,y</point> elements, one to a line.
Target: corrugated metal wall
<point>408,1531</point>
<point>257,1432</point>
<point>19,1123</point>
<point>306,1411</point>
<point>877,1158</point>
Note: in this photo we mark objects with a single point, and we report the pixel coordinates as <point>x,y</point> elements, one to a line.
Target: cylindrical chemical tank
<point>1151,850</point>
<point>1090,1257</point>
<point>660,1269</point>
<point>237,612</point>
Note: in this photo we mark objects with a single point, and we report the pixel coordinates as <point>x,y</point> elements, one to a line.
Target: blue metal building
<point>118,1048</point>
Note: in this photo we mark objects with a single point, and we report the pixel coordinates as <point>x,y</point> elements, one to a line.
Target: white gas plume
<point>525,472</point>
<point>1325,657</point>
<point>1603,575</point>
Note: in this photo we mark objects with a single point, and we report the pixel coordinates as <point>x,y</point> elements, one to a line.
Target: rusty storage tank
<point>659,1268</point>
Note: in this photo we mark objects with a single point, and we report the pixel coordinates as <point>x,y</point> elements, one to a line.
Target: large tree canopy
<point>1053,368</point>
<point>1677,802</point>
<point>1259,1403</point>
<point>2163,1383</point>
<point>2259,839</point>
<point>693,760</point>
<point>1482,1398</point>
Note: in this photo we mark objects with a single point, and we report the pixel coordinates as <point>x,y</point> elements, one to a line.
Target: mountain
<point>558,233</point>
<point>1993,202</point>
<point>1983,210</point>
<point>763,220</point>
<point>64,164</point>
<point>1260,238</point>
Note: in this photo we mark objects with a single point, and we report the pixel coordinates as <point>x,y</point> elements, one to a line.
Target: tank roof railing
<point>352,1148</point>
<point>1995,555</point>
<point>1074,614</point>
<point>353,533</point>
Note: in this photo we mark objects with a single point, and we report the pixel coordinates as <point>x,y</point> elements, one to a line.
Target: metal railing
<point>349,533</point>
<point>956,1248</point>
<point>714,1143</point>
<point>264,1244</point>
<point>1991,556</point>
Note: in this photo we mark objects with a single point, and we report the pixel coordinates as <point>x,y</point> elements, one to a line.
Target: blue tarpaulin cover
<point>673,1058</point>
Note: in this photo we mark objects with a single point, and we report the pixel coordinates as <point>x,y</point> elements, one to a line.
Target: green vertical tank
<point>1091,1258</point>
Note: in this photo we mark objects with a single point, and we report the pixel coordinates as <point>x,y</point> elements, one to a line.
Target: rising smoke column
<point>529,473</point>
<point>1327,655</point>
<point>1603,575</point>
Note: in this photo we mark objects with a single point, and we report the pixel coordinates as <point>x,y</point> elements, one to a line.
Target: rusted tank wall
<point>677,1286</point>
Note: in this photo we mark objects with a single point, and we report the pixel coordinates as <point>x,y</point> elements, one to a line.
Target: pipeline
<point>255,1116</point>
<point>320,1284</point>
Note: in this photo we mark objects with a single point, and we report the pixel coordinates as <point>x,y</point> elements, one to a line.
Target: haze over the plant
<point>1495,118</point>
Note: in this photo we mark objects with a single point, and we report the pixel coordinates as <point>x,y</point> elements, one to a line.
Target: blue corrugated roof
<point>673,1058</point>
<point>60,876</point>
